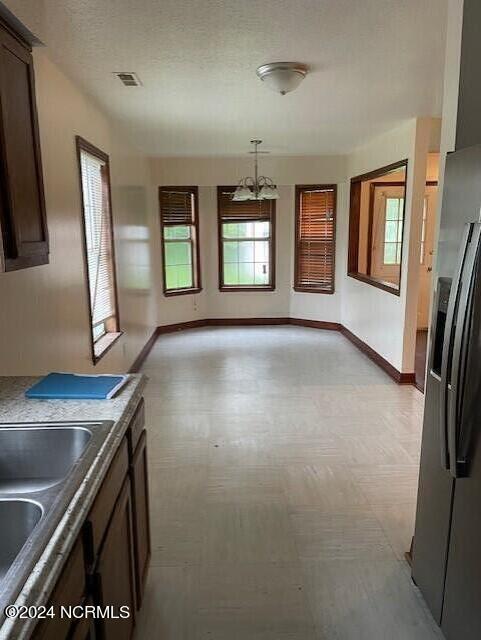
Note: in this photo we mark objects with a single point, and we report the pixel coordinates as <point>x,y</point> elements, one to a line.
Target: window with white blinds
<point>99,248</point>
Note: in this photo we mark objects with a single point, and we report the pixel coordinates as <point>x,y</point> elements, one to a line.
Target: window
<point>246,243</point>
<point>376,223</point>
<point>315,244</point>
<point>98,247</point>
<point>393,230</point>
<point>179,223</point>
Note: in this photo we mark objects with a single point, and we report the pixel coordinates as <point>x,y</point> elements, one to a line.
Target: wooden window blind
<point>179,222</point>
<point>243,211</point>
<point>177,206</point>
<point>99,247</point>
<point>315,242</point>
<point>246,232</point>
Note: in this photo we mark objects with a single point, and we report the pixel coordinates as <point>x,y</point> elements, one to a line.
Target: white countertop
<point>14,407</point>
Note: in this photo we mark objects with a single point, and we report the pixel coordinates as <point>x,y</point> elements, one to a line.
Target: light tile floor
<point>283,472</point>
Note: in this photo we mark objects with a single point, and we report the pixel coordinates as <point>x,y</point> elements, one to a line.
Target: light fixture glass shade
<point>269,192</point>
<point>282,77</point>
<point>255,187</point>
<point>242,193</point>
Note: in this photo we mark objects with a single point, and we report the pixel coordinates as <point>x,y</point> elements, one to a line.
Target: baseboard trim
<point>180,326</point>
<point>139,360</point>
<point>244,322</point>
<point>316,324</point>
<point>395,374</point>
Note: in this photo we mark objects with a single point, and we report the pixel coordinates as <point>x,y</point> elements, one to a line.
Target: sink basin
<point>35,458</point>
<point>19,518</point>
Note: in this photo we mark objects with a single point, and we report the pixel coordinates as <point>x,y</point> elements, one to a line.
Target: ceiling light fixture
<point>282,77</point>
<point>258,187</point>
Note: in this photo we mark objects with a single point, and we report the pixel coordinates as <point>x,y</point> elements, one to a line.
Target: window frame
<point>372,194</point>
<point>354,220</point>
<point>195,243</point>
<point>299,189</point>
<point>116,332</point>
<point>220,247</point>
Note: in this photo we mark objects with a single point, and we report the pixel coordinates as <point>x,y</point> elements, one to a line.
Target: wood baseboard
<point>139,360</point>
<point>245,322</point>
<point>180,326</point>
<point>316,324</point>
<point>397,376</point>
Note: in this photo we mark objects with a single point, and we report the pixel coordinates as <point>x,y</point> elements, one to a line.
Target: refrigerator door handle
<point>448,344</point>
<point>459,351</point>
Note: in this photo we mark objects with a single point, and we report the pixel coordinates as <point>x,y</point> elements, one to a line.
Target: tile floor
<point>283,472</point>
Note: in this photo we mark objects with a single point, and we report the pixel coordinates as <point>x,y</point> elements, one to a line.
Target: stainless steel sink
<point>41,467</point>
<point>35,458</point>
<point>19,518</point>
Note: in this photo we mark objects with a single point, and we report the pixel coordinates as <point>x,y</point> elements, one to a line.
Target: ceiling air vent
<point>128,78</point>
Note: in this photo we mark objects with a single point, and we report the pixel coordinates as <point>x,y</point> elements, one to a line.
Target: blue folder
<point>72,386</point>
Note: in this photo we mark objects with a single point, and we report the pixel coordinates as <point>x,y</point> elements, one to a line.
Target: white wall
<point>207,173</point>
<point>452,65</point>
<point>374,315</point>
<point>44,323</point>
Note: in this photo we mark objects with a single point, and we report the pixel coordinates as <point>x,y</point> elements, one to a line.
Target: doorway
<point>426,257</point>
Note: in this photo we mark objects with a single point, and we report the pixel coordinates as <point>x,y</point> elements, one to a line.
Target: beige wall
<point>44,322</point>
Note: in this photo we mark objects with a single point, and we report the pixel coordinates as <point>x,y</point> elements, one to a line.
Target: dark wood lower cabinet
<point>140,492</point>
<point>114,576</point>
<point>69,592</point>
<point>83,629</point>
<point>108,564</point>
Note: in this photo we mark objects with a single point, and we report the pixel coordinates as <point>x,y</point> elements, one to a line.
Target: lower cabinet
<point>113,579</point>
<point>140,491</point>
<point>107,566</point>
<point>83,629</point>
<point>69,592</point>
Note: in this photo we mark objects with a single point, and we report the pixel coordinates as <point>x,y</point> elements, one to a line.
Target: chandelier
<point>258,187</point>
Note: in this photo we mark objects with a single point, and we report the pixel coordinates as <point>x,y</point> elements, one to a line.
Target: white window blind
<point>98,239</point>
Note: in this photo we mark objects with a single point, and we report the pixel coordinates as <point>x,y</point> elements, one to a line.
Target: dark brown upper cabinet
<point>22,202</point>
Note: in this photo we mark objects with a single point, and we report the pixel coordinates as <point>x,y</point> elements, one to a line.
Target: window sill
<point>389,287</point>
<point>240,289</point>
<point>181,292</point>
<point>103,344</point>
<point>313,290</point>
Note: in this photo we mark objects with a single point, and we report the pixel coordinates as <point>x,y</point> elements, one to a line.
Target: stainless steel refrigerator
<point>447,538</point>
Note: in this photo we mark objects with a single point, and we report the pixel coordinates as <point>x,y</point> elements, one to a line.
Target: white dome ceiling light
<point>282,77</point>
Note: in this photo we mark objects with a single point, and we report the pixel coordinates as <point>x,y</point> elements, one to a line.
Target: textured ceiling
<point>374,63</point>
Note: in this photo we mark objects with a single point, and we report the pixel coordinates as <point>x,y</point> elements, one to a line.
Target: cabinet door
<point>140,493</point>
<point>68,592</point>
<point>114,576</point>
<point>22,205</point>
<point>84,628</point>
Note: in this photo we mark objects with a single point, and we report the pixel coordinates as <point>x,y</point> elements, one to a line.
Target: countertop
<point>14,407</point>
